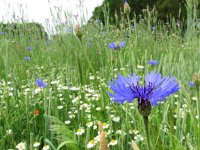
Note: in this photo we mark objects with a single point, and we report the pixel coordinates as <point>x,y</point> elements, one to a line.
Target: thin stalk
<point>145,119</point>
<point>198,111</point>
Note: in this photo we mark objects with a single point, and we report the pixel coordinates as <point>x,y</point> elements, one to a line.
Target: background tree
<point>165,8</point>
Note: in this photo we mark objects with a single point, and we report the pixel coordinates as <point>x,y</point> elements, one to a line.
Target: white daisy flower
<point>80,131</point>
<point>36,144</point>
<point>21,146</point>
<point>46,147</point>
<point>91,144</point>
<point>113,142</point>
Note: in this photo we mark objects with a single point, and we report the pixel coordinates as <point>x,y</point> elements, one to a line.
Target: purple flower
<point>27,58</point>
<point>29,48</point>
<point>97,21</point>
<point>153,28</point>
<point>117,45</point>
<point>152,62</point>
<point>40,83</point>
<point>155,89</point>
<point>132,27</point>
<point>2,33</point>
<point>191,84</point>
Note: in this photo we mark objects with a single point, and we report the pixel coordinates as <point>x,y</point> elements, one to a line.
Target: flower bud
<point>196,79</point>
<point>78,31</point>
<point>127,8</point>
<point>144,107</point>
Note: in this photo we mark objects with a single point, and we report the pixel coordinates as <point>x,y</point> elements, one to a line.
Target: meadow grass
<point>65,114</point>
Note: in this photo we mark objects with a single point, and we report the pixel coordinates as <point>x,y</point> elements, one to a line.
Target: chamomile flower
<point>91,144</point>
<point>36,144</point>
<point>46,147</point>
<point>21,146</point>
<point>113,142</point>
<point>89,124</point>
<point>105,125</point>
<point>80,131</point>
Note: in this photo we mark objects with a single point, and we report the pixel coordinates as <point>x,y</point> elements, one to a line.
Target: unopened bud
<point>78,31</point>
<point>127,8</point>
<point>196,79</point>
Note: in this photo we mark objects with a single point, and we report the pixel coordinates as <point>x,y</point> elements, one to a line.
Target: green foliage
<point>31,31</point>
<point>165,8</point>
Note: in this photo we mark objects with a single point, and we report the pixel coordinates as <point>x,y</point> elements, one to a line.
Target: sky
<point>46,12</point>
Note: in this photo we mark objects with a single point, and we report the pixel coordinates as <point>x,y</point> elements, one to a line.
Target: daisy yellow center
<point>20,146</point>
<point>79,130</point>
<point>112,141</point>
<point>92,142</point>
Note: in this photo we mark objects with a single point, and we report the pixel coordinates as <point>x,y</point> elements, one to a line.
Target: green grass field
<point>65,114</point>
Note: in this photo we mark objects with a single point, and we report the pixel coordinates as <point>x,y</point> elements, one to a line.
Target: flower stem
<point>198,112</point>
<point>145,119</point>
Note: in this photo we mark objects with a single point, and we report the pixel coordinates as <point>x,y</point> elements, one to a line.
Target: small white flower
<point>67,122</point>
<point>73,88</point>
<point>105,125</point>
<point>138,138</point>
<point>21,146</point>
<point>91,144</point>
<point>197,117</point>
<point>175,95</point>
<point>116,119</point>
<point>97,138</point>
<point>140,67</point>
<point>98,108</point>
<point>113,142</point>
<point>194,98</point>
<point>89,124</point>
<point>107,107</point>
<point>174,127</point>
<point>71,116</point>
<point>9,132</point>
<point>46,147</point>
<point>119,132</point>
<point>60,107</point>
<point>36,144</point>
<point>91,77</point>
<point>80,131</point>
<point>76,99</point>
<point>37,90</point>
<point>95,127</point>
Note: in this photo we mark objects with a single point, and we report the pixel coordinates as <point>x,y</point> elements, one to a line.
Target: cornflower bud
<point>127,8</point>
<point>196,79</point>
<point>78,31</point>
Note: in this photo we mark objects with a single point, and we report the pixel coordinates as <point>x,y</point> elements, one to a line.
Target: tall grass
<point>77,76</point>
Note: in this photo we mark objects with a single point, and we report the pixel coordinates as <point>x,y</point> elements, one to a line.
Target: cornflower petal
<point>112,45</point>
<point>122,44</point>
<point>155,89</point>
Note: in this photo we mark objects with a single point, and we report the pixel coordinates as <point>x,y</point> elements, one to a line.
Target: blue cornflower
<point>153,28</point>
<point>27,58</point>
<point>40,83</point>
<point>97,21</point>
<point>132,27</point>
<point>29,48</point>
<point>2,33</point>
<point>155,89</point>
<point>117,45</point>
<point>152,62</point>
<point>191,83</point>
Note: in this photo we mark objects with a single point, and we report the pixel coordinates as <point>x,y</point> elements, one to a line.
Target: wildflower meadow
<point>98,86</point>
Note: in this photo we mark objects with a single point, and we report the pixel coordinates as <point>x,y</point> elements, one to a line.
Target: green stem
<point>145,119</point>
<point>198,111</point>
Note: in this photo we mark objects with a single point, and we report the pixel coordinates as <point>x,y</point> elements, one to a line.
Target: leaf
<point>73,146</point>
